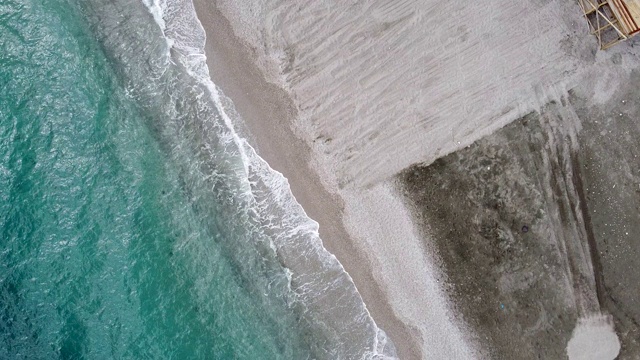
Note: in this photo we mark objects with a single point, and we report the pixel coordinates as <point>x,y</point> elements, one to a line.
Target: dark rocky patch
<point>531,231</point>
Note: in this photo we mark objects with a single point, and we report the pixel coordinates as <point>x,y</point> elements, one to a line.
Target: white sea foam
<point>156,9</point>
<point>318,279</point>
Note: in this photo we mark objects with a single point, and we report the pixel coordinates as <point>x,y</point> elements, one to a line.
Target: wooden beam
<point>621,12</point>
<point>606,18</point>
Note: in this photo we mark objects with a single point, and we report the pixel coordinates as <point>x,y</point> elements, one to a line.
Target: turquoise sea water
<point>134,222</point>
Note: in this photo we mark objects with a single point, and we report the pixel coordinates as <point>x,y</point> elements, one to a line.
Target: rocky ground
<point>538,225</point>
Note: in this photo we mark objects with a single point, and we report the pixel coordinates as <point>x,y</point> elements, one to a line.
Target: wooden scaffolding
<point>612,21</point>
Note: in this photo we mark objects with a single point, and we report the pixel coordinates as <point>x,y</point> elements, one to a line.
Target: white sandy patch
<point>594,338</point>
<point>380,223</point>
<point>382,85</point>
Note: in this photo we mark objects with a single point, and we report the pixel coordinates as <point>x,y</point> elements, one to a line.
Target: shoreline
<point>231,68</point>
<point>357,128</point>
